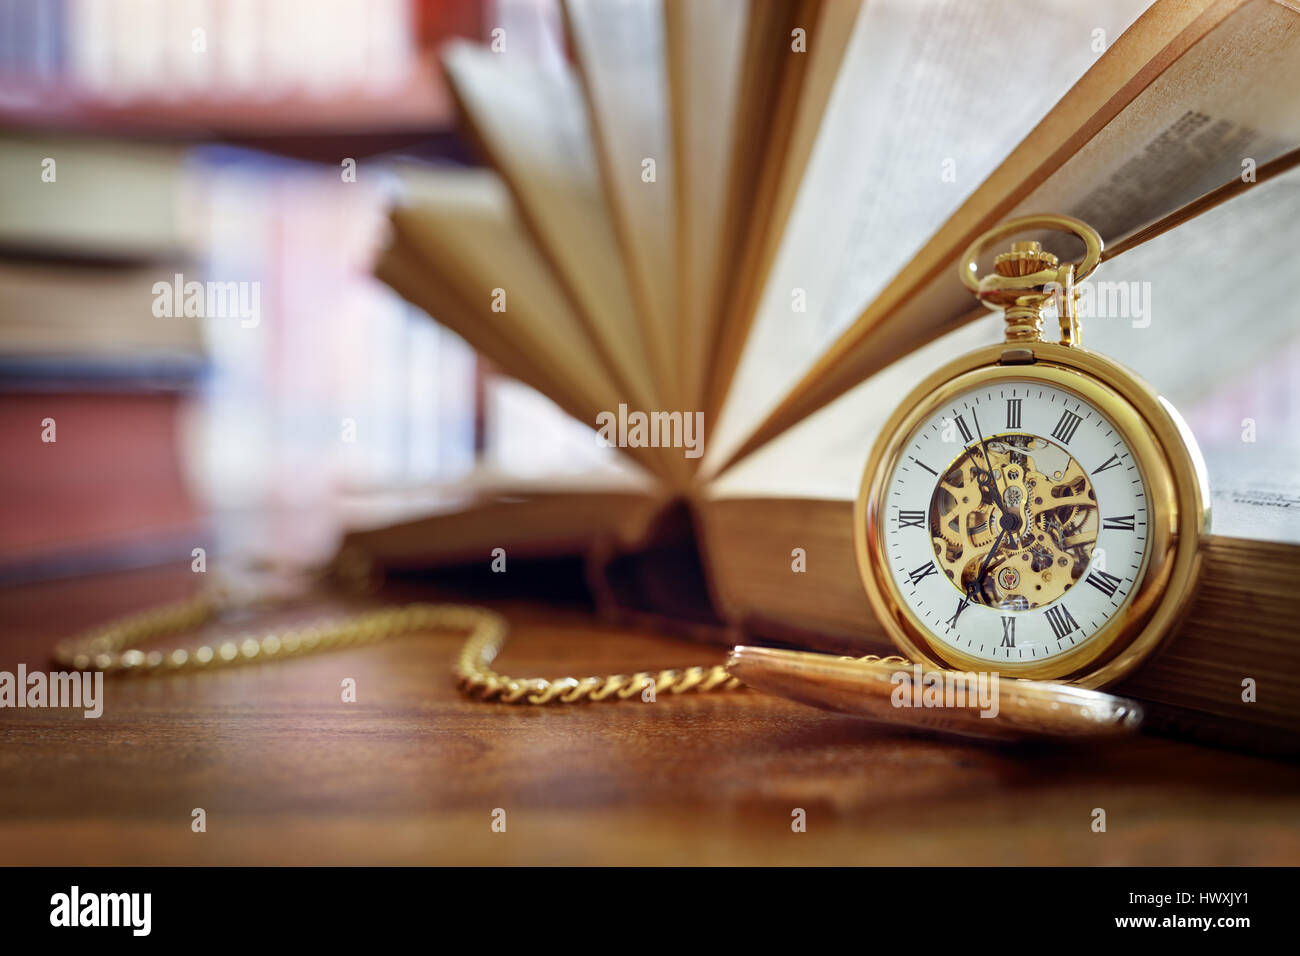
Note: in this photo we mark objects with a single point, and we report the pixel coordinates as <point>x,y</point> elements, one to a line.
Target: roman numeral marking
<point>963,428</point>
<point>1110,462</point>
<point>1121,523</point>
<point>925,466</point>
<point>1066,427</point>
<point>1061,621</point>
<point>911,519</point>
<point>920,573</point>
<point>1008,632</point>
<point>1103,582</point>
<point>962,604</point>
<point>1013,412</point>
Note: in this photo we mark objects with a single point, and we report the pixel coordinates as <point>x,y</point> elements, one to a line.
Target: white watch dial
<point>1015,522</point>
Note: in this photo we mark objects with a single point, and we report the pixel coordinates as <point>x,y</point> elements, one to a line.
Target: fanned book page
<point>705,43</point>
<point>461,252</point>
<point>794,57</point>
<point>464,222</point>
<point>533,123</point>
<point>619,49</point>
<point>1217,87</point>
<point>919,116</point>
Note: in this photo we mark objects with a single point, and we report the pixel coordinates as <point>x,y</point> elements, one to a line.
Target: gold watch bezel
<point>1178,519</point>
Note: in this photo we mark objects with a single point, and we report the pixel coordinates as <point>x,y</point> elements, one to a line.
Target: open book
<point>723,238</point>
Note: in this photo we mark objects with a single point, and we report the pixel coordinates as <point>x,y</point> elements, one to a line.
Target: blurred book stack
<point>146,139</point>
<point>91,381</point>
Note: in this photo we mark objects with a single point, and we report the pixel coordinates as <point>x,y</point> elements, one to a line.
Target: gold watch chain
<point>113,649</point>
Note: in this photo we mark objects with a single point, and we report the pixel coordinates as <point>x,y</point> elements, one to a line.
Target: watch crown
<point>1025,258</point>
<point>1027,278</point>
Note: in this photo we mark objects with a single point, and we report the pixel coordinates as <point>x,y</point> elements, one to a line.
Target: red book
<point>107,490</point>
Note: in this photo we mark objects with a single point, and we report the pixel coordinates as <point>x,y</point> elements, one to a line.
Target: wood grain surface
<point>412,772</point>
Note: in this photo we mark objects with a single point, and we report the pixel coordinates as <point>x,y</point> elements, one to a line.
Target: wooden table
<point>412,772</point>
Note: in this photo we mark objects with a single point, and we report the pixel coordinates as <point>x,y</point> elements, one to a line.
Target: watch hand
<point>988,464</point>
<point>988,558</point>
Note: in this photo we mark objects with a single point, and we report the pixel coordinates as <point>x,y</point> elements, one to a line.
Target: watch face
<point>1014,523</point>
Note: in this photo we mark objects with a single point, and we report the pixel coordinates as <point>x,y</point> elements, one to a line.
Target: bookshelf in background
<point>165,120</point>
<point>340,77</point>
<point>92,383</point>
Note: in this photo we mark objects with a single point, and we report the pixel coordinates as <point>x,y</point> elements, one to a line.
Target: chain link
<point>113,649</point>
<point>476,676</point>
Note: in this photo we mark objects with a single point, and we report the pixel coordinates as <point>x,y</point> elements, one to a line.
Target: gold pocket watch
<point>1033,508</point>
